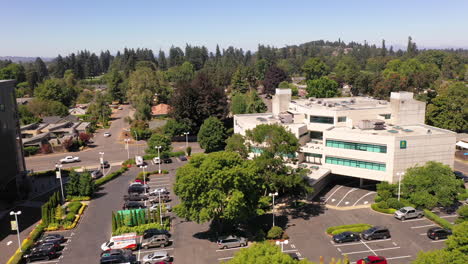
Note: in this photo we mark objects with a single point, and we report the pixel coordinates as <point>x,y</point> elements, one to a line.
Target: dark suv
<point>41,252</point>
<point>135,197</point>
<point>53,238</point>
<point>133,205</point>
<point>153,232</point>
<point>437,233</point>
<point>118,256</point>
<point>376,232</point>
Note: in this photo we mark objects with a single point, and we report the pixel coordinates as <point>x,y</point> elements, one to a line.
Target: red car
<point>372,260</point>
<point>139,181</point>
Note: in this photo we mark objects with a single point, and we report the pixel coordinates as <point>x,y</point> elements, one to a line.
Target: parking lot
<point>345,195</point>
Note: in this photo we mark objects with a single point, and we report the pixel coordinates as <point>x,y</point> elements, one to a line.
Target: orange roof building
<point>160,109</point>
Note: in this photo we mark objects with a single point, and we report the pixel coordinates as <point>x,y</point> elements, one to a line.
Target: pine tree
<point>114,222</point>
<point>218,52</point>
<point>59,213</point>
<point>41,69</point>
<point>384,49</point>
<point>162,60</point>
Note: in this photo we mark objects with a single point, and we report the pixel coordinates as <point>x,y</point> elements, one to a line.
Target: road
<point>113,148</point>
<point>461,166</point>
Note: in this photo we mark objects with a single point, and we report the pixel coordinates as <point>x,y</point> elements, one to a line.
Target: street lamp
<point>285,242</point>
<point>59,176</point>
<point>17,227</point>
<point>144,177</point>
<point>136,138</point>
<point>399,174</point>
<point>159,158</point>
<point>160,210</point>
<point>101,160</point>
<point>126,146</point>
<point>273,211</point>
<point>186,139</point>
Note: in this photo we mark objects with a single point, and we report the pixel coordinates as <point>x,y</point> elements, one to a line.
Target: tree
<point>448,110</point>
<point>13,71</point>
<point>174,128</point>
<point>236,143</point>
<point>51,90</point>
<point>440,256</point>
<point>383,51</point>
<point>458,241</point>
<point>238,103</point>
<point>72,187</point>
<point>276,139</point>
<point>162,62</point>
<point>212,135</point>
<point>26,116</point>
<point>41,69</point>
<point>99,110</point>
<point>272,79</point>
<point>239,81</point>
<point>182,73</point>
<point>264,253</point>
<point>86,184</point>
<point>247,103</point>
<point>315,68</point>
<point>411,49</point>
<point>347,69</point>
<point>462,212</point>
<point>430,185</point>
<point>322,88</point>
<point>41,108</point>
<point>218,187</point>
<point>115,85</point>
<point>158,140</point>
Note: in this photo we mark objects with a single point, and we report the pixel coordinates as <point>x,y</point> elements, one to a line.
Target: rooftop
<point>340,103</point>
<point>396,131</point>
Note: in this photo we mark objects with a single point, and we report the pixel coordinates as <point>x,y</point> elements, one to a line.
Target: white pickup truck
<point>69,159</point>
<point>408,213</point>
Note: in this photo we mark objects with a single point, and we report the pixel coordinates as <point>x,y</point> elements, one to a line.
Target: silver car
<point>156,257</point>
<point>231,241</point>
<point>155,241</point>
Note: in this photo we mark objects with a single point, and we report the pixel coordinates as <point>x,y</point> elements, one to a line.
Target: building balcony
<point>314,146</point>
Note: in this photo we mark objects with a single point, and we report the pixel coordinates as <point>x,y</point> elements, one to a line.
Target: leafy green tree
<point>41,108</point>
<point>86,184</point>
<point>182,73</point>
<point>115,85</point>
<point>238,103</point>
<point>162,61</point>
<point>462,214</point>
<point>347,69</point>
<point>430,185</point>
<point>261,67</point>
<point>212,135</point>
<point>458,241</point>
<point>13,71</point>
<point>41,69</point>
<point>175,128</point>
<point>272,79</point>
<point>255,104</point>
<point>99,110</point>
<point>26,116</point>
<point>218,187</point>
<point>315,68</point>
<point>440,256</point>
<point>239,81</point>
<point>322,88</point>
<point>52,89</point>
<point>264,253</point>
<point>277,141</point>
<point>158,140</point>
<point>448,110</point>
<point>72,187</point>
<point>236,143</point>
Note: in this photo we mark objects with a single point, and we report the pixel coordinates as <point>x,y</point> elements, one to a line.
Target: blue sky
<point>50,27</point>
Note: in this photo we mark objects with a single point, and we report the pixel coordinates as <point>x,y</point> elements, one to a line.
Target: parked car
<point>346,237</point>
<point>154,232</point>
<point>96,174</point>
<point>40,253</point>
<point>156,191</point>
<point>437,233</point>
<point>120,108</point>
<point>155,207</point>
<point>69,159</point>
<point>135,197</point>
<point>231,241</point>
<point>461,176</point>
<point>107,134</point>
<point>133,205</point>
<point>135,189</point>
<point>156,257</point>
<point>105,164</point>
<point>167,160</point>
<point>372,259</point>
<point>118,256</point>
<point>155,241</point>
<point>182,158</point>
<point>55,244</point>
<point>163,198</point>
<point>408,213</point>
<point>124,241</point>
<point>376,232</point>
<point>156,160</point>
<point>140,184</point>
<point>53,238</point>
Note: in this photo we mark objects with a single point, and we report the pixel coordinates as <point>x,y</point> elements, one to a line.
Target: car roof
<point>407,208</point>
<point>371,258</point>
<point>436,228</point>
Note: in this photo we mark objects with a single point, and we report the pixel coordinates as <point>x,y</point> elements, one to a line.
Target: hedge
<point>129,162</point>
<point>139,229</point>
<point>440,221</point>
<point>78,198</point>
<point>110,176</point>
<point>75,222</point>
<point>27,243</point>
<point>463,196</point>
<point>344,228</point>
<point>375,207</point>
<point>73,207</point>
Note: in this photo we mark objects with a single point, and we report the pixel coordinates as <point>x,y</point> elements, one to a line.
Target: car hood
<point>104,247</point>
<point>398,213</point>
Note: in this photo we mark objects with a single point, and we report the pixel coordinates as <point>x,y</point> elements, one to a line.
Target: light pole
<point>144,176</point>
<point>17,227</point>
<point>159,159</point>
<point>160,210</point>
<point>285,242</point>
<point>59,176</point>
<point>101,161</point>
<point>399,174</point>
<point>186,139</point>
<point>126,146</point>
<point>273,210</point>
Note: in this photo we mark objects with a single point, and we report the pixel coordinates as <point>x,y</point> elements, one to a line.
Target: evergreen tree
<point>114,222</point>
<point>72,187</point>
<point>218,52</point>
<point>41,69</point>
<point>58,213</point>
<point>86,185</point>
<point>383,52</point>
<point>162,60</point>
<point>59,67</point>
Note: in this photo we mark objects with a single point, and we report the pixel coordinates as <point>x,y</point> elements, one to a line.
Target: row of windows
<point>315,155</point>
<point>355,163</point>
<point>356,146</point>
<point>321,119</point>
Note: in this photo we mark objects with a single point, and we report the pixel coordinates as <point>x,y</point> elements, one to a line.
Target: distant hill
<point>23,59</point>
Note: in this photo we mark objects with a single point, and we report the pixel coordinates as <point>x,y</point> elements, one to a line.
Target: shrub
<point>73,207</point>
<point>70,217</point>
<point>260,235</point>
<point>30,150</point>
<point>440,221</point>
<point>140,228</point>
<point>140,176</point>
<point>463,196</point>
<point>27,243</point>
<point>72,198</point>
<point>164,171</point>
<point>377,198</point>
<point>110,176</point>
<point>275,232</point>
<point>382,205</point>
<point>188,150</point>
<point>344,228</point>
<point>353,229</point>
<point>394,203</point>
<point>385,195</point>
<point>176,153</point>
<point>52,227</point>
<point>129,162</point>
<point>376,207</point>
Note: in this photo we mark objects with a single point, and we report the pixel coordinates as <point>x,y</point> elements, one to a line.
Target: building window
<point>356,146</point>
<point>316,135</point>
<point>342,119</point>
<point>386,116</point>
<point>315,155</point>
<point>356,163</point>
<point>321,119</point>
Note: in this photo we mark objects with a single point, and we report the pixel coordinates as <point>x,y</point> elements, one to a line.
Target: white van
<point>139,161</point>
<point>124,241</point>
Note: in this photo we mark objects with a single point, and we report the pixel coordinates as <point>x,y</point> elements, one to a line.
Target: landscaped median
<point>27,244</point>
<point>376,207</point>
<point>438,220</point>
<point>110,176</point>
<point>334,230</point>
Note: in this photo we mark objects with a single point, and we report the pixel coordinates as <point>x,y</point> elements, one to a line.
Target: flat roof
<point>396,131</point>
<point>341,103</point>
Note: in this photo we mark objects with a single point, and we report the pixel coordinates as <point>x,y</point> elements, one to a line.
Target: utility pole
<point>273,210</point>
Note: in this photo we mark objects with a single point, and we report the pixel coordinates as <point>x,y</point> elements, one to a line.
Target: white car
<point>107,134</point>
<point>155,207</point>
<point>156,257</point>
<point>157,191</point>
<point>69,159</point>
<point>156,160</point>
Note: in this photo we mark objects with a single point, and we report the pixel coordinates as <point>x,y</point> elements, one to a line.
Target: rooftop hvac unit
<point>365,124</point>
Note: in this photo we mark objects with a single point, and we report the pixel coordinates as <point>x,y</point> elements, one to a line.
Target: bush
<point>188,150</point>
<point>377,198</point>
<point>394,203</point>
<point>440,221</point>
<point>275,232</point>
<point>52,227</point>
<point>110,176</point>
<point>70,217</point>
<point>140,228</point>
<point>343,228</point>
<point>72,198</point>
<point>129,162</point>
<point>463,214</point>
<point>376,207</point>
<point>382,205</point>
<point>463,196</point>
<point>164,171</point>
<point>176,153</point>
<point>260,235</point>
<point>27,243</point>
<point>73,207</point>
<point>385,195</point>
<point>30,150</point>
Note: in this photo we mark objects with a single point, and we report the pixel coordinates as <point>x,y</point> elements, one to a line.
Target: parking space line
<point>350,191</point>
<point>333,193</point>
<point>362,197</point>
<point>373,251</point>
<point>440,240</point>
<point>414,220</point>
<point>225,258</point>
<point>43,262</point>
<point>399,257</point>
<point>358,243</point>
<point>220,250</point>
<point>414,227</point>
<point>290,250</point>
<point>156,249</point>
<point>369,248</point>
<point>447,216</point>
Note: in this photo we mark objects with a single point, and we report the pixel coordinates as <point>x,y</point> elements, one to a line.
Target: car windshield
<point>403,210</point>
